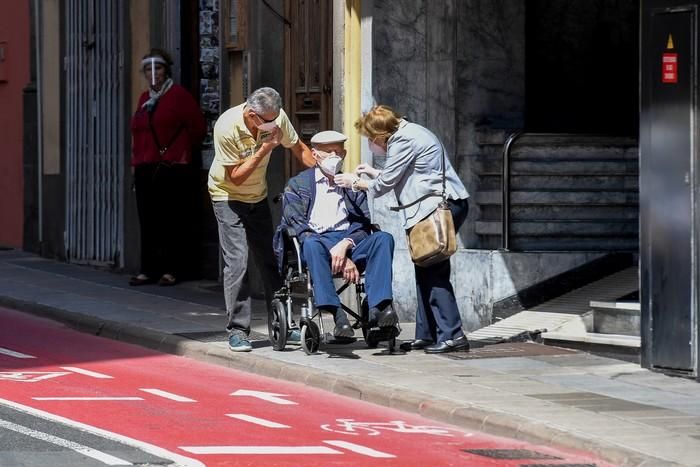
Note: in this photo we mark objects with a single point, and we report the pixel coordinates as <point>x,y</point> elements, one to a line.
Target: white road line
<point>256,420</point>
<point>259,450</point>
<point>79,448</point>
<point>146,447</point>
<point>359,449</point>
<point>167,395</point>
<point>87,398</point>
<point>266,396</point>
<point>81,371</point>
<point>12,353</point>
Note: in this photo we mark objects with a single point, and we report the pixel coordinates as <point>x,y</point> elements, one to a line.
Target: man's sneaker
<point>239,343</point>
<point>294,337</point>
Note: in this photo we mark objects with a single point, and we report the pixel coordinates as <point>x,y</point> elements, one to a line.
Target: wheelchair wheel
<point>310,337</point>
<point>277,324</point>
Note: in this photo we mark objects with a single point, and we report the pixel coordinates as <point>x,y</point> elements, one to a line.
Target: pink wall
<point>14,76</point>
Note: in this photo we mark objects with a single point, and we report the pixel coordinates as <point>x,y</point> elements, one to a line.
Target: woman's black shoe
<point>452,345</point>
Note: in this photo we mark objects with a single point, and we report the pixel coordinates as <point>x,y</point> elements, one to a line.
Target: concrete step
<point>569,317</point>
<point>570,198</point>
<point>549,166</point>
<point>539,243</point>
<point>492,212</point>
<point>615,340</point>
<point>497,137</point>
<point>591,151</point>
<point>556,227</point>
<point>568,182</point>
<point>616,317</point>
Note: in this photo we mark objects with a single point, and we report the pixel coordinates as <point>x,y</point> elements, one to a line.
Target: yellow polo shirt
<point>233,144</point>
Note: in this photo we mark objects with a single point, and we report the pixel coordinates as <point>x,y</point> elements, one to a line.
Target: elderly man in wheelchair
<point>332,235</point>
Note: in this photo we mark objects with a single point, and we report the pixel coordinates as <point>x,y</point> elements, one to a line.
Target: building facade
<point>473,71</point>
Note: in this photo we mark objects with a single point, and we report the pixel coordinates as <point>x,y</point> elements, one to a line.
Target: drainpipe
<point>39,123</point>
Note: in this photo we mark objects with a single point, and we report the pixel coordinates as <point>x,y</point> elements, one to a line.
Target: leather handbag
<point>433,239</point>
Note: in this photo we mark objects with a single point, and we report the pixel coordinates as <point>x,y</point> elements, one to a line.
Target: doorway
<point>309,70</point>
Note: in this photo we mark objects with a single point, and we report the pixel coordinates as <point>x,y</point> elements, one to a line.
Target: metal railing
<point>505,180</point>
<point>505,189</point>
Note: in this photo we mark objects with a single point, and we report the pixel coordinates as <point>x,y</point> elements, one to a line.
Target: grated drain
<point>558,465</point>
<point>511,454</point>
<point>517,349</point>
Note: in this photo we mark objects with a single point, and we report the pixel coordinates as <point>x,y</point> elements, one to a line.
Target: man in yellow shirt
<point>244,137</point>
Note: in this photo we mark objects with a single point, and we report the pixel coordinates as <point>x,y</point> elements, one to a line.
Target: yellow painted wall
<point>352,81</point>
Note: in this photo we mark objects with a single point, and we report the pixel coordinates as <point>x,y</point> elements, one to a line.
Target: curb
<point>471,417</point>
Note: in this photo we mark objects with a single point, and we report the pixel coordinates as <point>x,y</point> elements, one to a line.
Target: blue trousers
<point>437,317</point>
<point>374,255</point>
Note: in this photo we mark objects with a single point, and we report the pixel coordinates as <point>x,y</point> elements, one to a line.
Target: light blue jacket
<point>413,169</point>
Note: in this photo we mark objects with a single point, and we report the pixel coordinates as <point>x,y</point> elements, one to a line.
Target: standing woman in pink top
<point>166,128</point>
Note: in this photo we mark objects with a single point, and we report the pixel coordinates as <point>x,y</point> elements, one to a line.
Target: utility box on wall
<point>668,187</point>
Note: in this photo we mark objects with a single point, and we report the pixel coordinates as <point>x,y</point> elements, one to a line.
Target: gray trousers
<point>243,227</point>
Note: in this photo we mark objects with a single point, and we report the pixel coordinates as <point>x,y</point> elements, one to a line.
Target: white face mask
<point>376,149</point>
<point>267,126</point>
<point>331,165</point>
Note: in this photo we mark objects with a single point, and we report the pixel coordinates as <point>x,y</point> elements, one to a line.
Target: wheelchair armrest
<point>290,232</point>
<point>375,228</point>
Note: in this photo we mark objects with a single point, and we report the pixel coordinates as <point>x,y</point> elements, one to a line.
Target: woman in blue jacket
<point>413,169</point>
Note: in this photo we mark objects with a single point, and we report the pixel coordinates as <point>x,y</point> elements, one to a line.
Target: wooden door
<point>309,79</point>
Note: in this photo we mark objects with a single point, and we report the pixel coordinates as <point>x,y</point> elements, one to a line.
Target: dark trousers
<point>373,255</point>
<point>243,227</point>
<point>437,316</point>
<point>166,200</point>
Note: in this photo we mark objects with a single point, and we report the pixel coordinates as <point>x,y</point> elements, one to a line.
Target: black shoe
<point>452,345</point>
<point>416,344</point>
<point>383,319</point>
<point>343,330</point>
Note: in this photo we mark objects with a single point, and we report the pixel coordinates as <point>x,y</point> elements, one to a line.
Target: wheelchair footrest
<point>333,340</point>
<point>384,334</point>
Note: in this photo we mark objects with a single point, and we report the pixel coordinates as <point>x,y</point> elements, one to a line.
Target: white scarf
<point>154,95</point>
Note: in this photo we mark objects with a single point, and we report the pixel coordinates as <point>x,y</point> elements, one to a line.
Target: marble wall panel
<point>440,104</point>
<point>490,67</point>
<point>399,48</point>
<point>441,29</point>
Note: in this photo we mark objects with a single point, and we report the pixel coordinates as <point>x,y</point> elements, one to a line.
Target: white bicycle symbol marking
<point>348,426</point>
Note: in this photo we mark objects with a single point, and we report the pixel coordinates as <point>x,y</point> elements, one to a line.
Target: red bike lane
<point>214,416</point>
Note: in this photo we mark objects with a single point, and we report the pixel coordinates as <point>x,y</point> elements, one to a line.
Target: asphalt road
<point>74,399</point>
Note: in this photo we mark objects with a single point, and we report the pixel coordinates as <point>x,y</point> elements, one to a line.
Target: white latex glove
<point>344,180</point>
<point>368,170</point>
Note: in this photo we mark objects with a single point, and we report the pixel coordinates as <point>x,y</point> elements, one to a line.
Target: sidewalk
<point>627,415</point>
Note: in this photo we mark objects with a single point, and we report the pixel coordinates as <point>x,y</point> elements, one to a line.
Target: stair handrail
<point>505,189</point>
<point>505,175</point>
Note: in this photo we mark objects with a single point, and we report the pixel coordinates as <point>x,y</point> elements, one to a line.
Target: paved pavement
<point>627,415</point>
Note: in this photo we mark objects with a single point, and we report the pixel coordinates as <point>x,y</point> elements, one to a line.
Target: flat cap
<point>328,137</point>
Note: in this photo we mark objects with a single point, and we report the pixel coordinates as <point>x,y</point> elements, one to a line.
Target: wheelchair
<point>296,298</point>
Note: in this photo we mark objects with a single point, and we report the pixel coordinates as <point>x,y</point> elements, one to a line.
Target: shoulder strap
<point>163,149</point>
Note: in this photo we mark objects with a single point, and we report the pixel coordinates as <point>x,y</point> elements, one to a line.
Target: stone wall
<point>458,66</point>
<point>453,66</point>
